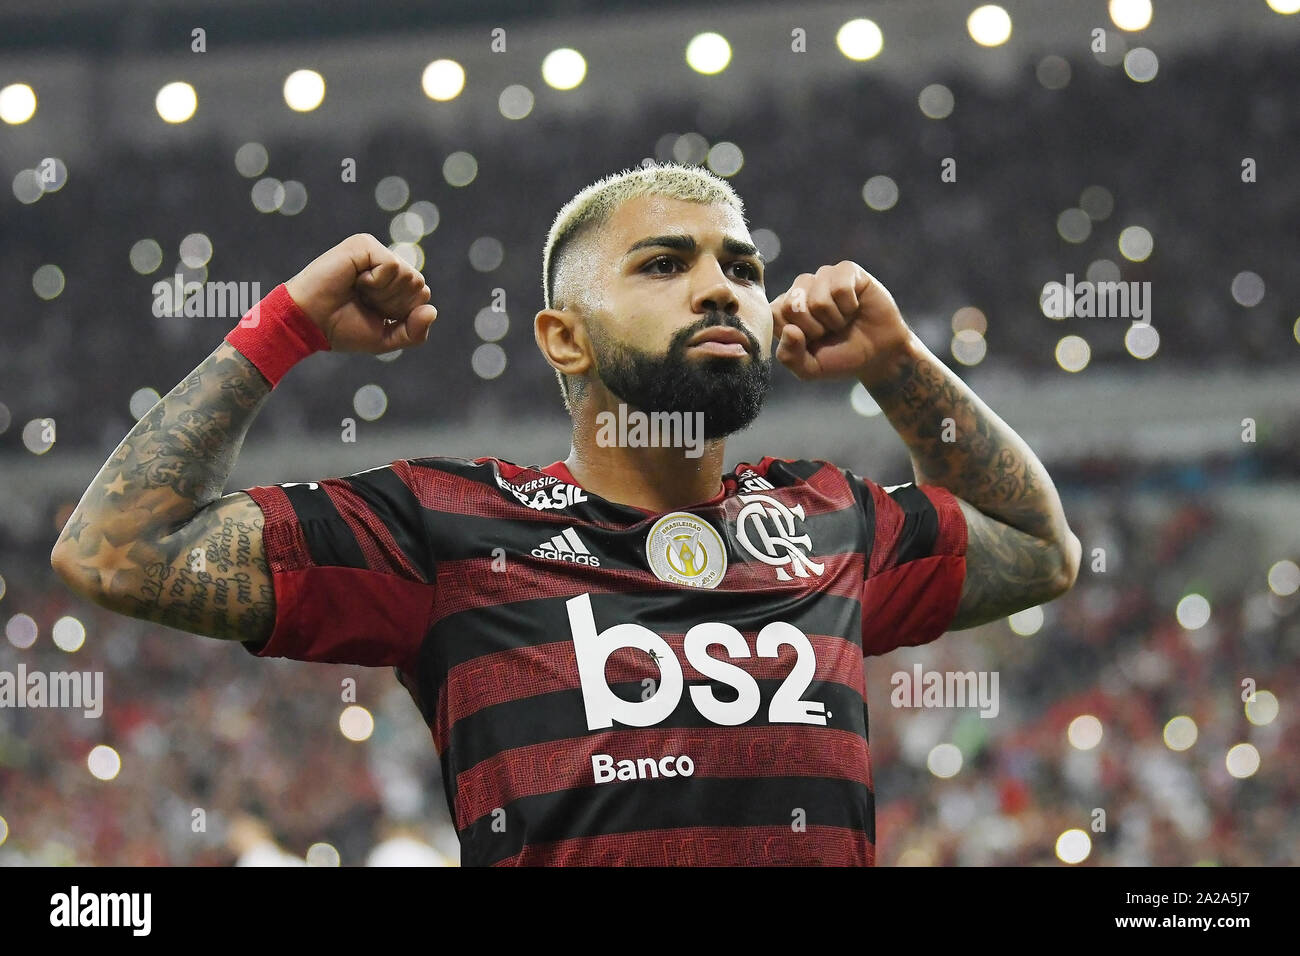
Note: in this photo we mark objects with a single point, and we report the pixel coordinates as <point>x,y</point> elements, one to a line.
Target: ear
<point>562,336</point>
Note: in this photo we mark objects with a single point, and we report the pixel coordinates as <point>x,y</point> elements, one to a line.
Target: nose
<point>713,293</point>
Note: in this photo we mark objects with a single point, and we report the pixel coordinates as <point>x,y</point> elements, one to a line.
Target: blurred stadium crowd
<point>990,239</point>
<point>1121,649</point>
<point>200,725</point>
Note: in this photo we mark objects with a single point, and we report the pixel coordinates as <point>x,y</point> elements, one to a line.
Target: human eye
<point>753,274</point>
<point>652,265</point>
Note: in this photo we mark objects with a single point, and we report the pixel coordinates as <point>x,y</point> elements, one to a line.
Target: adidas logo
<point>566,546</point>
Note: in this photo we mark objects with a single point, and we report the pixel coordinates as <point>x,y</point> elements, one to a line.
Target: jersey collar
<point>561,471</point>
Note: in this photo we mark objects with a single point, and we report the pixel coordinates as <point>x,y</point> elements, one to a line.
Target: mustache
<point>715,320</point>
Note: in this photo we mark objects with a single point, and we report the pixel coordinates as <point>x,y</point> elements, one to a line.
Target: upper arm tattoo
<point>208,577</point>
<point>1006,570</point>
<point>153,538</point>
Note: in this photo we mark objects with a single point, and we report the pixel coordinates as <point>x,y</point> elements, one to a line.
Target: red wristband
<point>276,334</point>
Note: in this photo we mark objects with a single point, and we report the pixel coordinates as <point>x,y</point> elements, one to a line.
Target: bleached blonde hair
<point>593,207</point>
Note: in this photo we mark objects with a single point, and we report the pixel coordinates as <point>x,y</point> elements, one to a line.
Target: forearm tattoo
<point>1016,526</point>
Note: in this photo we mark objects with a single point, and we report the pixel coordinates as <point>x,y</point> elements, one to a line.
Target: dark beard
<point>728,391</point>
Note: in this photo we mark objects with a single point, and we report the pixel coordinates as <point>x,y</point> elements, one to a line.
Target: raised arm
<point>1020,551</point>
<point>153,537</point>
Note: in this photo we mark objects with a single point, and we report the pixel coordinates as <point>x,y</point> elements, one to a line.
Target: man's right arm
<point>153,537</point>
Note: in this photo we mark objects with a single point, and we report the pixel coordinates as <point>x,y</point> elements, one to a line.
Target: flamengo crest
<point>765,528</point>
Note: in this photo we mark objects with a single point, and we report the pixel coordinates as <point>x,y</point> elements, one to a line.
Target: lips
<point>723,335</point>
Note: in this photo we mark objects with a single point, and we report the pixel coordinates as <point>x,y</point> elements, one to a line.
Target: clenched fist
<point>364,297</point>
<point>838,323</point>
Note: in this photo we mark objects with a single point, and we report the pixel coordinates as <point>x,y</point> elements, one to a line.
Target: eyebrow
<point>684,243</point>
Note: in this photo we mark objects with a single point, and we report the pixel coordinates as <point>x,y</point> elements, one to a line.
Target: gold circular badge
<point>683,549</point>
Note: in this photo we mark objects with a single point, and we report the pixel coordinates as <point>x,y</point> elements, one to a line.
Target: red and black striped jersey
<point>605,685</point>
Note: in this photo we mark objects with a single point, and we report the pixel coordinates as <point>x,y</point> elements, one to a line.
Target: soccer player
<point>633,655</point>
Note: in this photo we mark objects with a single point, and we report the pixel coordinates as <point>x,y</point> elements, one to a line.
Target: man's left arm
<point>1020,551</point>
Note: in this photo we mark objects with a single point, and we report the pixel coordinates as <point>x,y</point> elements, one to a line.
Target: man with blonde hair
<point>634,655</point>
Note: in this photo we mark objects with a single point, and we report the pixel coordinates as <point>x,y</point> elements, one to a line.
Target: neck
<point>656,479</point>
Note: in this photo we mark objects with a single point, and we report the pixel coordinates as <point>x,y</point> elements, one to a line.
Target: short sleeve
<point>916,566</point>
<point>351,567</point>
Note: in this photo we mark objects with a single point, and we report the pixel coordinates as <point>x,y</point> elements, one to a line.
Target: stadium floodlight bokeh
<point>443,80</point>
<point>177,102</point>
<point>304,90</point>
<point>564,69</point>
<point>17,103</point>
